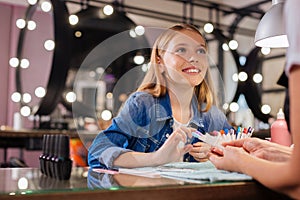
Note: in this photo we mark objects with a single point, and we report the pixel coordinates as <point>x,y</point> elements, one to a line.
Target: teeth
<point>192,70</point>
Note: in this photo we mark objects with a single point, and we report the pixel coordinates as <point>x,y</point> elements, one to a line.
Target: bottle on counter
<point>279,130</point>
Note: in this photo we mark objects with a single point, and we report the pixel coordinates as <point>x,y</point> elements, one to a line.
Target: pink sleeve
<point>292,16</point>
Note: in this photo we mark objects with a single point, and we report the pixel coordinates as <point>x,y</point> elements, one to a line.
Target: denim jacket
<point>143,125</point>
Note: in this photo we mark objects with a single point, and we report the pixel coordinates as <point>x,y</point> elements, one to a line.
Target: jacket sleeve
<point>119,137</point>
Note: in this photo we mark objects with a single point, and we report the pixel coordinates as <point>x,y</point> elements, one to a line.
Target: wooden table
<point>34,133</point>
<point>87,185</point>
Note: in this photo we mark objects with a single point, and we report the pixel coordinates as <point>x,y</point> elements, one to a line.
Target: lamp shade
<point>271,31</point>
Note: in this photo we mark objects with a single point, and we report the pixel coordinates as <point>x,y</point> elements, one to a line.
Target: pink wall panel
<point>5,21</point>
<point>40,59</point>
<point>36,75</point>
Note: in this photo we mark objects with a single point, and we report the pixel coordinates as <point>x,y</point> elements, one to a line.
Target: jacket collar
<point>163,110</point>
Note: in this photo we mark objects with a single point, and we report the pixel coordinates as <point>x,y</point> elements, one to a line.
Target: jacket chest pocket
<point>140,145</point>
<point>159,139</point>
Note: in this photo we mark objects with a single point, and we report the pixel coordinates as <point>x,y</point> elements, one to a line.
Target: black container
<point>55,160</point>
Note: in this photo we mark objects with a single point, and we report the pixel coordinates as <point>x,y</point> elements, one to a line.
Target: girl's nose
<point>193,60</point>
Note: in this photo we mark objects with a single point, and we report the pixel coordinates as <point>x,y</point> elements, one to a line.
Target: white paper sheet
<point>188,171</point>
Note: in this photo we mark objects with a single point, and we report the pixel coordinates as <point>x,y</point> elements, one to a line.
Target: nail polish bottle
<point>48,168</point>
<point>63,163</point>
<point>44,154</point>
<point>54,156</point>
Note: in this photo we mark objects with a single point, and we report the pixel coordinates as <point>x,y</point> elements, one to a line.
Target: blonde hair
<point>154,81</point>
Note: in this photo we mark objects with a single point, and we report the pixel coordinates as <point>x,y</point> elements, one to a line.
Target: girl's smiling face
<point>185,59</point>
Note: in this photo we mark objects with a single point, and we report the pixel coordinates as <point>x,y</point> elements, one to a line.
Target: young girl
<point>155,124</point>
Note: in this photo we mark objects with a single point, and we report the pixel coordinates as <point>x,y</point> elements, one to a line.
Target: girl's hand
<point>200,151</point>
<point>175,146</point>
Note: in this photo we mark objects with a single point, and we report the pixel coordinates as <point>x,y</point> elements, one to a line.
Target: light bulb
<point>208,28</point>
<point>139,30</point>
<point>49,45</point>
<point>266,109</point>
<point>73,19</point>
<point>108,10</point>
<point>46,6</point>
<point>31,25</point>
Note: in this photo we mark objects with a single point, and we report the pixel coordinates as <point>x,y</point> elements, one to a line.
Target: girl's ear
<point>160,64</point>
<point>158,60</point>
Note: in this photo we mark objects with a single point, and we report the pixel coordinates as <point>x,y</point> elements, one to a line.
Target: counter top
<point>30,183</point>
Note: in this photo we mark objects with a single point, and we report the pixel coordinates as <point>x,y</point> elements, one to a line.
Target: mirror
<point>72,44</point>
<point>51,90</point>
<point>75,42</point>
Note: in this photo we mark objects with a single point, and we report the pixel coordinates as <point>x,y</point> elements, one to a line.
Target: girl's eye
<point>180,50</point>
<point>201,51</point>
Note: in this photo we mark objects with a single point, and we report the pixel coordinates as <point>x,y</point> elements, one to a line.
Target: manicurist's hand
<point>231,158</point>
<point>263,149</point>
